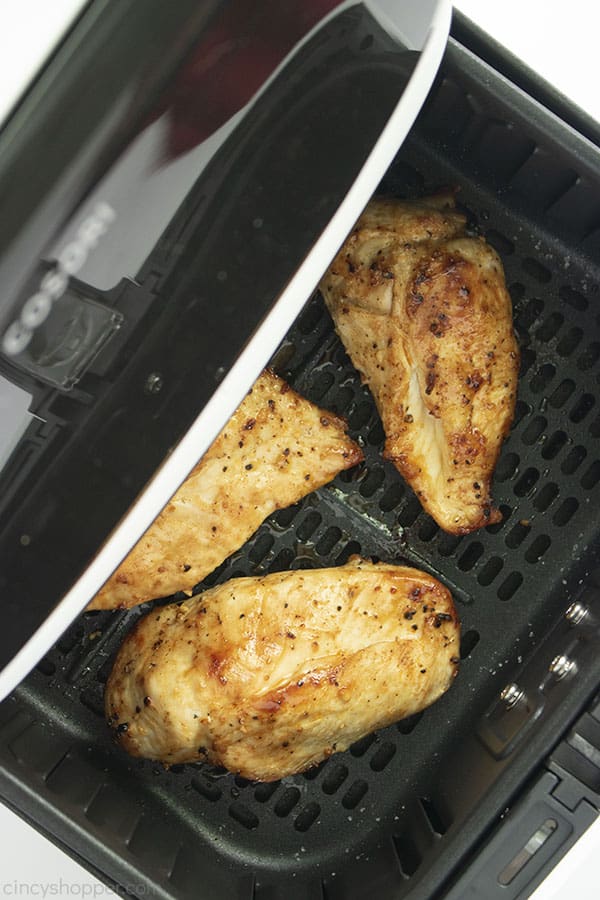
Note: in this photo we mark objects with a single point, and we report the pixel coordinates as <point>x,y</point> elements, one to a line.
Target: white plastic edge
<point>248,365</point>
<point>576,874</point>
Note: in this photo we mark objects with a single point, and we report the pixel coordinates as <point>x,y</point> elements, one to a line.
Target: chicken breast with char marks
<point>268,676</point>
<point>275,449</point>
<point>425,316</point>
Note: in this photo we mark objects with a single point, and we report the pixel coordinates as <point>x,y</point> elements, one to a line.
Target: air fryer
<point>480,794</point>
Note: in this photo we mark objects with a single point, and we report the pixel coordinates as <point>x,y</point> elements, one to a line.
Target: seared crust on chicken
<point>275,449</point>
<point>425,316</point>
<point>268,676</point>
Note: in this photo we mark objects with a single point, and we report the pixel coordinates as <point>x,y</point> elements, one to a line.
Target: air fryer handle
<point>526,845</point>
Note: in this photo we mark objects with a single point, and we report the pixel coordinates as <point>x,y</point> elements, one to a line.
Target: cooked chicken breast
<point>268,676</point>
<point>276,448</point>
<point>425,316</point>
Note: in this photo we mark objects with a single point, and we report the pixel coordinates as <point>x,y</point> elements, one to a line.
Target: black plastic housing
<point>418,809</point>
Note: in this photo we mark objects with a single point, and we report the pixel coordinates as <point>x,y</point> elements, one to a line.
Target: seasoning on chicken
<point>275,449</point>
<point>425,316</point>
<point>268,676</point>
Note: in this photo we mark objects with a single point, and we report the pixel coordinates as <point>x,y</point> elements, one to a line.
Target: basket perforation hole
<point>320,384</point>
<point>534,430</point>
<point>375,435</point>
<point>506,513</point>
<point>341,400</point>
<point>546,496</point>
<point>526,482</point>
<point>328,541</point>
<point>562,393</point>
<point>354,794</point>
<point>286,802</point>
<point>510,586</point>
<point>517,292</point>
<point>309,318</point>
<point>565,511</point>
<point>537,548</point>
<point>581,409</point>
<point>573,460</point>
<point>348,476</point>
<point>542,376</point>
<point>470,556</point>
<point>308,525</point>
<point>208,789</point>
<point>537,271</point>
<point>448,543</point>
<point>313,773</point>
<point>303,562</point>
<point>392,497</point>
<point>243,815</point>
<point>285,517</point>
<point>554,444</point>
<point>408,725</point>
<point>238,780</point>
<point>263,792</point>
<point>507,466</point>
<point>373,481</point>
<point>438,822</point>
<point>589,357</point>
<point>595,427</point>
<point>307,817</point>
<point>522,409</point>
<point>573,298</point>
<point>360,415</point>
<point>550,327</point>
<point>490,571</point>
<point>260,549</point>
<point>359,748</point>
<point>428,529</point>
<point>517,535</point>
<point>468,642</point>
<point>530,312</point>
<point>409,857</point>
<point>339,356</point>
<point>382,756</point>
<point>500,242</point>
<point>283,560</point>
<point>351,548</point>
<point>528,358</point>
<point>334,779</point>
<point>409,512</point>
<point>569,342</point>
<point>591,476</point>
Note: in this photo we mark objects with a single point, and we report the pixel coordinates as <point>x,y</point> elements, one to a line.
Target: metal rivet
<point>561,666</point>
<point>576,613</point>
<point>511,695</point>
<point>154,383</point>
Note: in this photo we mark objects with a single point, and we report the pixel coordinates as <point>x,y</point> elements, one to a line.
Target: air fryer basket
<point>394,815</point>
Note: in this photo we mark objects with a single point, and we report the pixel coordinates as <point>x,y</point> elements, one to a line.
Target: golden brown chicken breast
<point>425,316</point>
<point>275,449</point>
<point>268,676</point>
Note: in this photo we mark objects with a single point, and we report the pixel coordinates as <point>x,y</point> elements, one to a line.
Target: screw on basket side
<point>576,613</point>
<point>511,694</point>
<point>561,666</point>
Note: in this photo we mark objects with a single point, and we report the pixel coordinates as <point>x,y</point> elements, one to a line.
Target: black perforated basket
<point>405,811</point>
